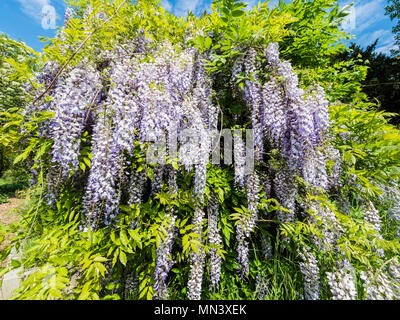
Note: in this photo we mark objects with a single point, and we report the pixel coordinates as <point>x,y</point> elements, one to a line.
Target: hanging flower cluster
<point>309,269</point>
<point>215,241</point>
<point>383,285</point>
<point>197,259</point>
<point>164,260</point>
<point>341,282</point>
<point>246,225</point>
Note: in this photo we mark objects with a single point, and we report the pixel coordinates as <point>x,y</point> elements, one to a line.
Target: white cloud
<point>251,4</point>
<point>196,6</point>
<point>166,5</point>
<point>369,13</point>
<point>386,49</point>
<point>273,3</point>
<point>33,8</point>
<point>385,38</point>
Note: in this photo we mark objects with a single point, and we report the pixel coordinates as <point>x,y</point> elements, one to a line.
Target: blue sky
<point>22,19</point>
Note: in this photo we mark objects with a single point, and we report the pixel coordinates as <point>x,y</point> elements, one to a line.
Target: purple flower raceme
<point>309,269</point>
<point>342,282</point>
<point>314,170</point>
<point>300,122</point>
<point>285,189</point>
<point>247,223</point>
<point>239,153</point>
<point>136,187</point>
<point>157,181</point>
<point>73,96</point>
<point>197,259</point>
<point>102,196</point>
<point>371,215</point>
<point>215,240</point>
<point>253,97</point>
<point>274,120</point>
<point>69,14</point>
<point>319,107</point>
<point>335,174</point>
<point>380,286</point>
<point>324,219</point>
<point>164,261</point>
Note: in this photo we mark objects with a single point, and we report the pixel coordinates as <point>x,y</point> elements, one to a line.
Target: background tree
<point>382,81</point>
<point>15,58</point>
<point>393,10</point>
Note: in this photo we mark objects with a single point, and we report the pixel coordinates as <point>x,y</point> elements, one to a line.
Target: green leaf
<point>15,263</point>
<point>122,257</point>
<point>207,43</point>
<point>123,237</point>
<point>82,166</point>
<point>237,13</point>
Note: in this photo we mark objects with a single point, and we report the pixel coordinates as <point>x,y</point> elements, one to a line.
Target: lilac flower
<point>371,215</point>
<point>101,195</point>
<point>197,259</point>
<point>69,14</point>
<point>73,96</point>
<point>136,187</point>
<point>335,175</point>
<point>285,189</point>
<point>274,113</point>
<point>247,224</point>
<point>305,122</point>
<point>342,282</point>
<point>215,240</point>
<point>309,269</point>
<point>156,183</point>
<point>380,286</point>
<point>314,170</point>
<point>324,219</point>
<point>239,158</point>
<point>319,107</point>
<point>252,93</point>
<point>164,261</point>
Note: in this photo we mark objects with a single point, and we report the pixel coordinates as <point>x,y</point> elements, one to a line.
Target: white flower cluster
<point>285,189</point>
<point>164,260</point>
<point>391,196</point>
<point>325,220</point>
<point>266,248</point>
<point>197,259</point>
<point>342,282</point>
<point>334,177</point>
<point>262,288</point>
<point>215,240</point>
<point>380,286</point>
<point>239,153</point>
<point>309,269</point>
<point>371,215</point>
<point>247,224</point>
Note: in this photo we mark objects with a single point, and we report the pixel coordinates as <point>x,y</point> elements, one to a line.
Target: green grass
<point>10,183</point>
